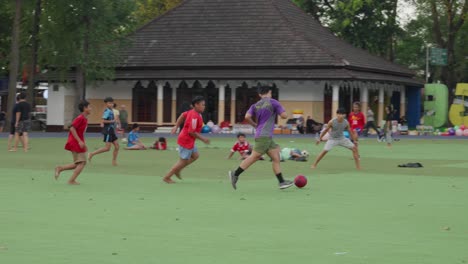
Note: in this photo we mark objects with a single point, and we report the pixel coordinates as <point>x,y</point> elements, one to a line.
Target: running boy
<point>242,146</point>
<point>108,121</point>
<point>134,142</point>
<point>193,124</point>
<point>337,126</point>
<point>76,144</point>
<point>265,112</point>
<point>356,118</point>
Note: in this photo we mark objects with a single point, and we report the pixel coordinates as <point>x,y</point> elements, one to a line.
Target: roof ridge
<point>294,31</point>
<point>335,54</point>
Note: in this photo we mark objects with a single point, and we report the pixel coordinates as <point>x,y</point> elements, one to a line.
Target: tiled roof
<point>244,33</point>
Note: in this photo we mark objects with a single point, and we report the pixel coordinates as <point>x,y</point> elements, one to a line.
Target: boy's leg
<point>176,168</point>
<point>192,159</point>
<point>17,138</point>
<point>25,141</point>
<point>59,169</point>
<point>328,146</point>
<point>354,148</point>
<point>373,126</point>
<point>319,158</point>
<point>11,138</point>
<point>134,147</point>
<point>78,169</point>
<point>106,148</point>
<point>115,153</point>
<point>356,157</point>
<point>274,154</point>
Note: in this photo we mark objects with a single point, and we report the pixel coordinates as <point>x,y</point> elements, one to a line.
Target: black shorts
<point>110,137</point>
<point>13,129</point>
<point>24,126</point>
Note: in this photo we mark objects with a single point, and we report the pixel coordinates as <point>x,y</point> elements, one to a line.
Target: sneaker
<point>286,184</point>
<point>233,179</point>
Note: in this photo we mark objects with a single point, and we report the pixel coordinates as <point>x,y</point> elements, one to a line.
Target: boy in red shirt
<point>356,118</point>
<point>76,144</point>
<point>193,124</point>
<point>242,146</point>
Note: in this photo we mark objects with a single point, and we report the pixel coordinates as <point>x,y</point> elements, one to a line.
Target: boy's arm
<point>248,118</point>
<point>284,115</point>
<point>104,121</point>
<point>324,132</point>
<point>179,122</point>
<point>230,155</point>
<point>200,137</point>
<point>18,114</point>
<point>77,138</point>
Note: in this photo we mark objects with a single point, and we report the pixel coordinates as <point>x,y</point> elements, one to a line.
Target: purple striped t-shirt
<point>265,111</point>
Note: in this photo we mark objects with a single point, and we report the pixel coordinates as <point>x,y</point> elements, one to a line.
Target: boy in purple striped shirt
<point>264,112</point>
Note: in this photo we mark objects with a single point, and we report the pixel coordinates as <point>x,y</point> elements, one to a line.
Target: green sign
<point>438,56</point>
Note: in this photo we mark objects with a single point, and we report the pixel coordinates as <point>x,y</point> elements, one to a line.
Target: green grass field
<point>125,214</point>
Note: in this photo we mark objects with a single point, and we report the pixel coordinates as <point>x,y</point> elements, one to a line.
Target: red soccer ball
<point>300,181</point>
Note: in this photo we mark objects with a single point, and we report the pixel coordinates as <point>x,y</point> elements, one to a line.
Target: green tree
<point>451,15</point>
<point>367,24</point>
<point>84,36</point>
<point>148,10</point>
<point>14,57</point>
<point>6,22</point>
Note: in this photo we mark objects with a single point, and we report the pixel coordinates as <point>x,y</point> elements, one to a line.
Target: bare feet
<point>114,163</point>
<point>313,166</point>
<point>73,183</point>
<point>58,169</point>
<point>177,174</point>
<point>12,150</point>
<point>90,156</point>
<point>168,180</point>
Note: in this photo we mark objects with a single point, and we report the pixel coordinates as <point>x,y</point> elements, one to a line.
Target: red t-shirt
<point>356,120</point>
<point>80,124</point>
<point>160,146</point>
<point>241,147</point>
<point>193,124</point>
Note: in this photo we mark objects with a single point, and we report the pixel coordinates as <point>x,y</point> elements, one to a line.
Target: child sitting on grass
<point>242,146</point>
<point>160,144</point>
<point>134,142</point>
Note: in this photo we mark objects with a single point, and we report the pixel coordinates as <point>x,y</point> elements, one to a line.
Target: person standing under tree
<point>265,112</point>
<point>22,122</point>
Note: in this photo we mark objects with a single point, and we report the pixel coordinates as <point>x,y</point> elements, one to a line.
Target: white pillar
<point>221,105</point>
<point>403,101</point>
<point>335,98</point>
<point>174,105</point>
<point>381,105</point>
<point>159,119</point>
<point>364,99</point>
<point>233,106</point>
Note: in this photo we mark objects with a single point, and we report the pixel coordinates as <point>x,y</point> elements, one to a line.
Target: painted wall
<point>60,105</point>
<point>98,107</point>
<point>114,89</point>
<point>307,96</point>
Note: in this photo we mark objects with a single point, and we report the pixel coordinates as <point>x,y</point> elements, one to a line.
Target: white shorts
<point>344,142</point>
